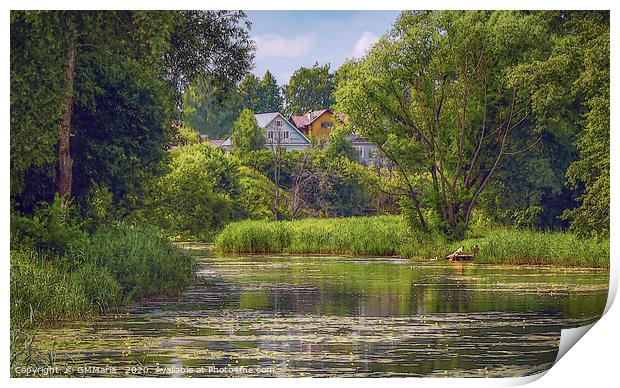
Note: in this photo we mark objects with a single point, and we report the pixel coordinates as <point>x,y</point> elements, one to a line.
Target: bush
<point>257,191</point>
<point>141,260</point>
<point>49,230</point>
<point>195,196</point>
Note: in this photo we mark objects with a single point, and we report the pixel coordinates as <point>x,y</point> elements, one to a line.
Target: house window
<point>359,150</point>
<point>270,134</point>
<point>286,134</point>
<point>278,123</point>
<point>326,124</point>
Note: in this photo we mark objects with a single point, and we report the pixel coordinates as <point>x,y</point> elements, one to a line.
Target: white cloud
<point>364,43</point>
<point>274,45</point>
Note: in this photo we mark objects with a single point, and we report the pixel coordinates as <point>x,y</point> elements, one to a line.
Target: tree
<point>76,58</point>
<point>272,100</point>
<point>437,98</point>
<point>256,195</point>
<point>593,142</point>
<point>196,194</point>
<point>246,135</point>
<point>260,95</point>
<point>36,43</point>
<point>211,44</point>
<point>309,89</point>
<point>250,93</point>
<point>210,111</point>
<point>571,102</point>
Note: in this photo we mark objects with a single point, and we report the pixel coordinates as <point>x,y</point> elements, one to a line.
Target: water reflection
<point>320,316</point>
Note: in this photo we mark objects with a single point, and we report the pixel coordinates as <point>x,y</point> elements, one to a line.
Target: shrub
<point>196,195</point>
<point>49,230</point>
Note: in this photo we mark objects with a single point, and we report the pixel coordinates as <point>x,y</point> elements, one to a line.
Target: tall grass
<point>356,236</point>
<point>544,248</point>
<point>141,259</point>
<point>115,266</point>
<point>41,292</point>
<point>387,235</point>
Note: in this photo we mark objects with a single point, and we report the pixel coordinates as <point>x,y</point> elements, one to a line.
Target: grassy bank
<point>387,235</point>
<point>113,267</point>
<point>78,276</point>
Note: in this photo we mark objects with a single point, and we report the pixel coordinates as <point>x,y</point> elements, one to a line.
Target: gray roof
<point>354,138</point>
<point>264,119</point>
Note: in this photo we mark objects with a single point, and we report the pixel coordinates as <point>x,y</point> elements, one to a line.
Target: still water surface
<point>272,315</point>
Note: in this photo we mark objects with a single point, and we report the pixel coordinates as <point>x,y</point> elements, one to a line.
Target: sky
<point>288,40</point>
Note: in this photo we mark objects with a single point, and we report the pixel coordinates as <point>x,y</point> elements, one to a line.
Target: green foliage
<point>214,45</point>
<point>592,169</point>
<point>111,147</point>
<point>356,236</point>
<point>130,67</point>
<point>543,248</point>
<point>210,111</point>
<point>260,95</point>
<point>339,145</point>
<point>37,42</point>
<point>256,198</point>
<point>51,230</point>
<point>309,89</point>
<point>196,194</point>
<point>99,206</point>
<point>273,100</point>
<point>246,135</point>
<point>442,98</point>
<point>116,265</point>
<point>571,102</point>
<point>141,259</point>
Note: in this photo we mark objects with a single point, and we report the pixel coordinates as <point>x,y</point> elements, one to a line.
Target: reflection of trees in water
<point>366,288</point>
<point>456,293</point>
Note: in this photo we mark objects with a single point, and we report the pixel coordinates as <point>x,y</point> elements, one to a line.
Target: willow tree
<point>437,96</point>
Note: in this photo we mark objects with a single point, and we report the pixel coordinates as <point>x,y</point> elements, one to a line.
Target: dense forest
<point>490,119</point>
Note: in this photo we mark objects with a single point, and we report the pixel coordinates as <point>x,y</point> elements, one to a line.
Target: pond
<point>276,315</point>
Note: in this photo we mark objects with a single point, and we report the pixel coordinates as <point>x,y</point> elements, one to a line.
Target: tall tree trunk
<point>65,163</point>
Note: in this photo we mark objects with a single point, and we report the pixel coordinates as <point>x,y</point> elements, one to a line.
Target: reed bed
<point>353,236</point>
<point>387,236</point>
<point>141,259</point>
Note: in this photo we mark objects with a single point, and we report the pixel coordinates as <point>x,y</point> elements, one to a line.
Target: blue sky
<point>287,40</point>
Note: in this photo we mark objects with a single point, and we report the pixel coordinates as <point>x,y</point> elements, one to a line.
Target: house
<point>216,143</point>
<point>318,123</point>
<point>278,132</point>
<point>367,152</point>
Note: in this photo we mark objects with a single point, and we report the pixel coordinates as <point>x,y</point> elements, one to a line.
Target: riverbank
<point>115,266</point>
<point>388,236</point>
